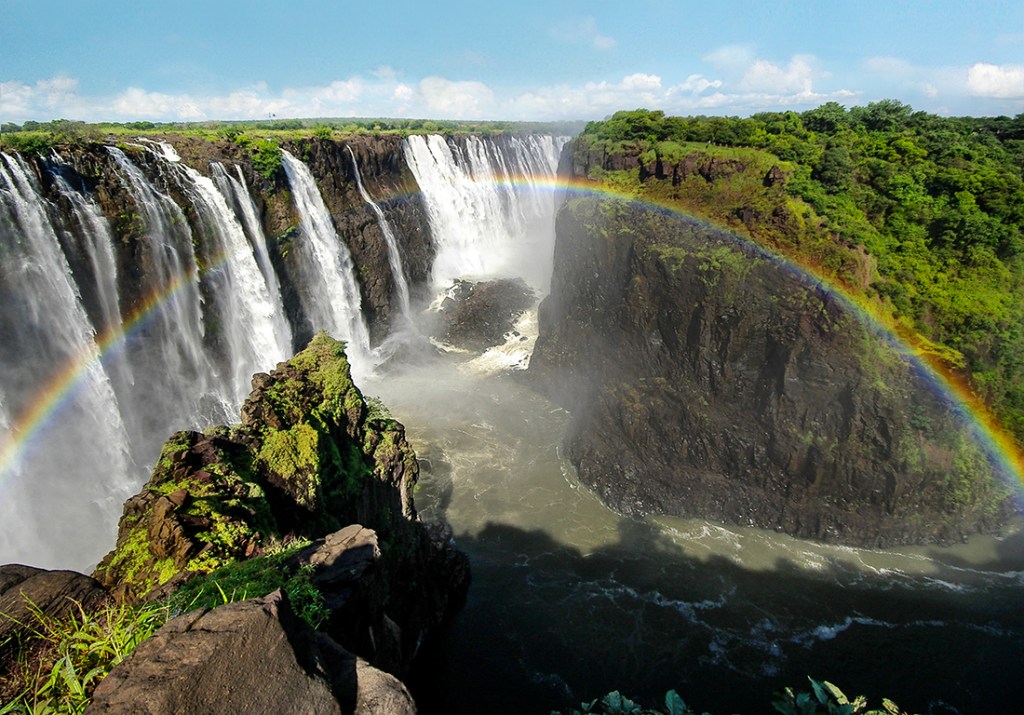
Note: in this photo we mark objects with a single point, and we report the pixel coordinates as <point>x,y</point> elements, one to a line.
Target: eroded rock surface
<point>708,380</point>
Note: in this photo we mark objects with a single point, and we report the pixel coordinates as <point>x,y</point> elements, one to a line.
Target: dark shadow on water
<point>547,626</point>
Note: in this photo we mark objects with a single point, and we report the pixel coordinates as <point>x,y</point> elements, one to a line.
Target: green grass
<point>72,655</point>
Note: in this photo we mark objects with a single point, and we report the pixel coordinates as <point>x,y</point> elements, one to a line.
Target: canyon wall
<point>708,379</point>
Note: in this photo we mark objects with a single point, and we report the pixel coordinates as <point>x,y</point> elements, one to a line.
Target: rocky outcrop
<point>252,657</point>
<point>583,158</point>
<point>309,458</point>
<point>27,593</point>
<point>709,380</point>
<point>478,315</point>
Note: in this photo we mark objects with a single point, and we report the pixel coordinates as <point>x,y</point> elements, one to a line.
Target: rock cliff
<point>709,380</point>
<point>309,457</point>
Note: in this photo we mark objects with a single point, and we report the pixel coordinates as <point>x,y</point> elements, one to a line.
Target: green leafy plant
<point>72,655</point>
<point>824,698</point>
<point>615,703</point>
<point>266,157</point>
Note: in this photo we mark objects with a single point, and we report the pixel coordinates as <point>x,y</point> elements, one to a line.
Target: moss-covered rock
<point>309,458</point>
<point>305,461</point>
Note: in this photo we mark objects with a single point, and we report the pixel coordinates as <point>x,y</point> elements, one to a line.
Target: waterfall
<point>246,209</point>
<point>98,243</point>
<point>254,334</point>
<point>491,213</point>
<point>48,341</point>
<point>168,348</point>
<point>394,257</point>
<point>114,340</point>
<point>330,294</point>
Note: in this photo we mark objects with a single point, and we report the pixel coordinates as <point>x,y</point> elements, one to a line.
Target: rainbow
<point>1002,449</point>
<point>999,444</point>
<point>32,421</point>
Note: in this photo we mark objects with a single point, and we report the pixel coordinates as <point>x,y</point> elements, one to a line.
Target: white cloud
<point>768,86</point>
<point>446,99</point>
<point>136,102</point>
<point>695,84</point>
<point>893,67</point>
<point>1003,85</point>
<point>997,81</point>
<point>640,81</point>
<point>632,83</point>
<point>384,72</point>
<point>731,58</point>
<point>795,77</point>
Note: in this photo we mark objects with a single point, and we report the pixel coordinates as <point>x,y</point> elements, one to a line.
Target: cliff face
<point>385,176</point>
<point>707,380</point>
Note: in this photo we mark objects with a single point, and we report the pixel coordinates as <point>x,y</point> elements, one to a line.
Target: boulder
<point>277,664</point>
<point>478,315</point>
<point>56,594</point>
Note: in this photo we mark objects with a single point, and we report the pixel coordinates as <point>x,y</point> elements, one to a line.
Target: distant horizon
<point>314,122</point>
<point>531,61</point>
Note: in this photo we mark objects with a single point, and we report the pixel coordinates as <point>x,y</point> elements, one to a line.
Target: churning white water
<point>490,207</point>
<point>235,188</point>
<point>255,335</point>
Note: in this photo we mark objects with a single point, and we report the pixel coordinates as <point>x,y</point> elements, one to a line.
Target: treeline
<point>937,202</point>
<point>74,129</point>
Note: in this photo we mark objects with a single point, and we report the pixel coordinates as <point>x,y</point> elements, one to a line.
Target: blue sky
<point>474,59</point>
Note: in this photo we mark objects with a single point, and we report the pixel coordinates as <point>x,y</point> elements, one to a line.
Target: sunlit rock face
<point>709,380</point>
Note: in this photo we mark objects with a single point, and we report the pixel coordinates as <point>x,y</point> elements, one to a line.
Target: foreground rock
<point>249,657</point>
<point>709,381</point>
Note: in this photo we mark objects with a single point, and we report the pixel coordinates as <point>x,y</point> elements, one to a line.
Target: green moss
<point>133,559</point>
<point>294,455</point>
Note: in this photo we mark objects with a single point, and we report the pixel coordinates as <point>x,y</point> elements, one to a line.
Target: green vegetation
<point>70,656</point>
<point>255,578</point>
<point>824,698</point>
<point>66,658</point>
<point>35,137</point>
<point>920,216</point>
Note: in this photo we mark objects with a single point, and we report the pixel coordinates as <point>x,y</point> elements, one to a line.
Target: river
<point>570,601</point>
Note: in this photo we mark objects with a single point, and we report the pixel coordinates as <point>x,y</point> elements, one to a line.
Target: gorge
<point>144,283</point>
